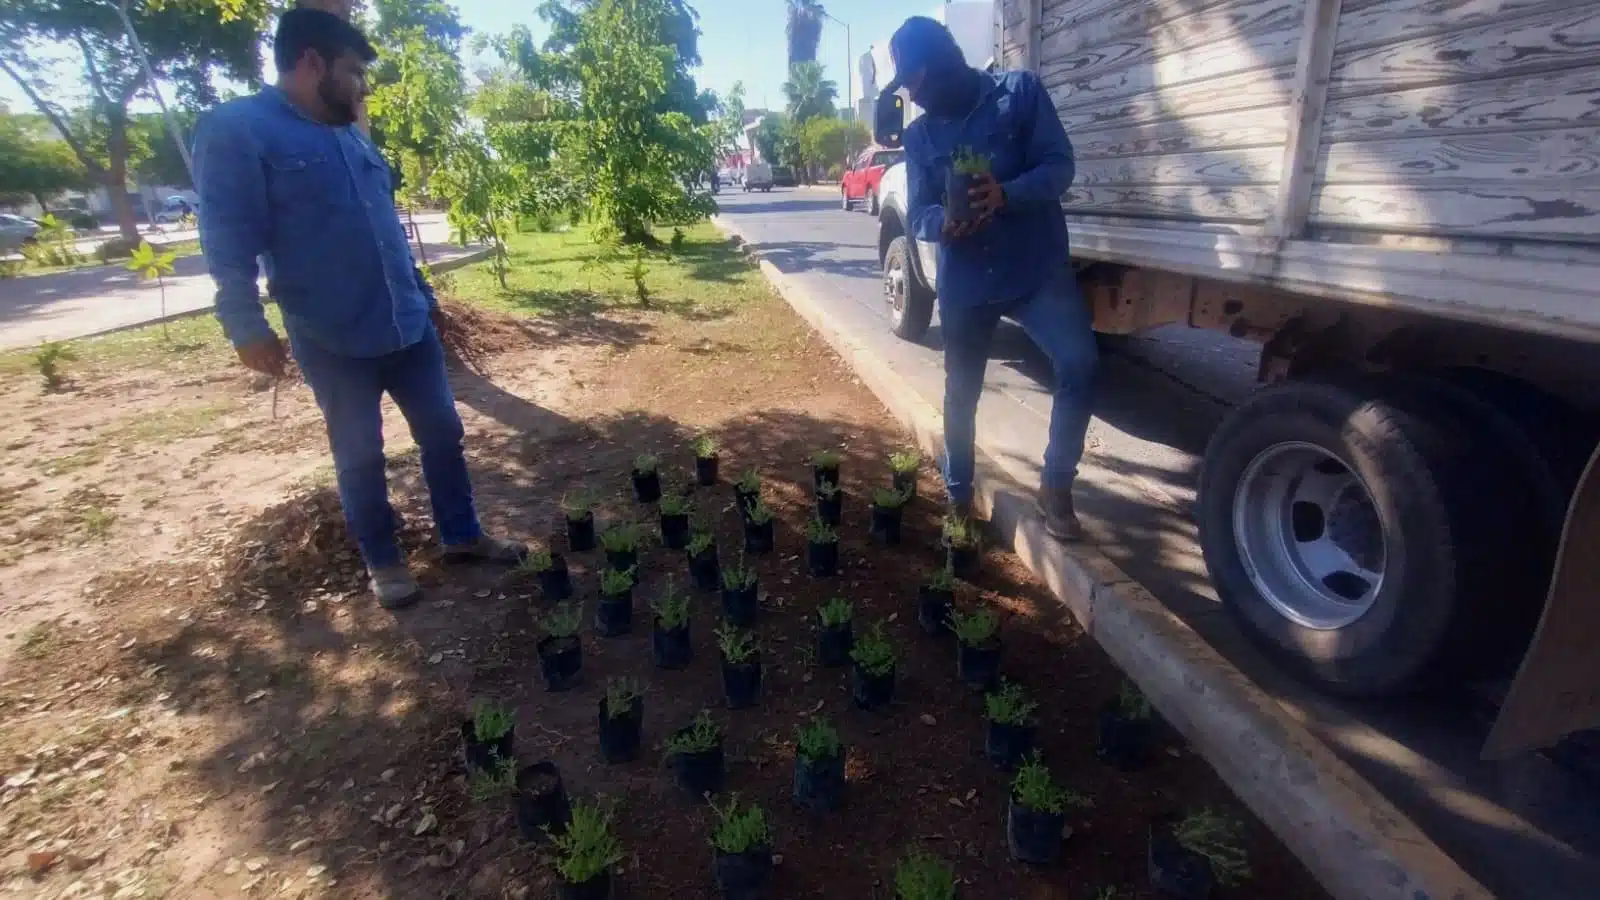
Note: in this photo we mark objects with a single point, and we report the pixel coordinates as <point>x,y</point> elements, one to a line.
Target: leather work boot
<point>1060,519</point>
<point>487,549</point>
<point>395,587</point>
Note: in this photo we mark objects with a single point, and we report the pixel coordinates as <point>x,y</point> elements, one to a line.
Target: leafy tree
<point>804,30</point>
<point>417,103</point>
<point>187,42</point>
<point>162,164</point>
<point>810,93</point>
<point>439,22</point>
<point>826,141</point>
<point>33,165</point>
<point>482,194</point>
<point>525,124</point>
<point>777,139</point>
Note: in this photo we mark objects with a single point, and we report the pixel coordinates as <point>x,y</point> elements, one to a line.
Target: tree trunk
<point>44,208</point>
<point>117,177</point>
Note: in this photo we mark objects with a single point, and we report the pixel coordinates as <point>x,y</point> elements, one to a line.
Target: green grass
<point>181,248</point>
<point>195,340</point>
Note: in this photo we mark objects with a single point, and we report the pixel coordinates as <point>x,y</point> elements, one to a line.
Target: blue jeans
<point>1058,321</point>
<point>350,392</point>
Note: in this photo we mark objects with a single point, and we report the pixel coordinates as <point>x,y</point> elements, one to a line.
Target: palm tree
<point>804,30</point>
<point>810,94</point>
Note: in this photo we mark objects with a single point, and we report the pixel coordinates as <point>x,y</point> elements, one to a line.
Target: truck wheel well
<point>889,228</point>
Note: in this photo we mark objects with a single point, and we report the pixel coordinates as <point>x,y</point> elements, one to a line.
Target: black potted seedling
<point>825,467</point>
<point>741,666</point>
<point>747,490</point>
<point>741,594</point>
<point>621,543</point>
<point>578,509</point>
<point>613,615</point>
<point>1011,724</point>
<point>646,478</point>
<point>543,808</point>
<point>1126,729</point>
<point>923,876</point>
<point>560,650</point>
<point>669,640</point>
<point>935,600</point>
<point>835,632</point>
<point>872,676</point>
<point>830,503</point>
<point>621,720</point>
<point>1199,851</point>
<point>822,549</point>
<point>695,754</point>
<point>488,737</point>
<point>705,460</point>
<point>675,510</point>
<point>903,467</point>
<point>494,782</point>
<point>818,766</point>
<point>967,169</point>
<point>962,547</point>
<point>742,851</point>
<point>888,507</point>
<point>1036,815</point>
<point>585,855</point>
<point>977,647</point>
<point>550,570</point>
<point>758,529</point>
<point>703,567</point>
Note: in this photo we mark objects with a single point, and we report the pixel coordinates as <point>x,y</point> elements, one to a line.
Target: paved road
<point>106,298</point>
<point>1527,829</point>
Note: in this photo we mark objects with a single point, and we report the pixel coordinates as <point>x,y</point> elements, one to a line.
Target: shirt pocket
<point>299,184</point>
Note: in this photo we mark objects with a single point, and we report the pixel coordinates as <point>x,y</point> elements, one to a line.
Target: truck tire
<point>910,301</point>
<point>872,203</point>
<point>1352,531</point>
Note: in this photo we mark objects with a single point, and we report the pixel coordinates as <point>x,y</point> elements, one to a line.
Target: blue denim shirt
<point>1015,125</point>
<point>315,203</point>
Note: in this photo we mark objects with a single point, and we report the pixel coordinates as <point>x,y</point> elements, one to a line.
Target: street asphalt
<point>1526,828</point>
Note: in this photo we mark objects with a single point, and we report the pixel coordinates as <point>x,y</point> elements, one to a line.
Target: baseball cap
<point>918,43</point>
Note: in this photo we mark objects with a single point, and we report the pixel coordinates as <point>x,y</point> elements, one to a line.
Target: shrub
<point>616,582</point>
<point>578,504</point>
<point>537,561</point>
<point>48,359</point>
<point>738,645</point>
<point>675,504</point>
<point>1218,839</point>
<point>498,781</point>
<point>645,463</point>
<point>588,848</point>
<point>837,611</point>
<point>975,628</point>
<point>740,830</point>
<point>490,721</point>
<point>672,607</point>
<point>738,576</point>
<point>873,652</point>
<point>826,488</point>
<point>889,498</point>
<point>959,532</point>
<point>620,538</point>
<point>1010,705</point>
<point>905,461</point>
<point>701,735</point>
<point>760,513</point>
<point>700,542</point>
<point>620,694</point>
<point>704,447</point>
<point>750,481</point>
<point>941,579</point>
<point>922,876</point>
<point>1036,789</point>
<point>969,162</point>
<point>825,459</point>
<point>817,740</point>
<point>820,532</point>
<point>564,620</point>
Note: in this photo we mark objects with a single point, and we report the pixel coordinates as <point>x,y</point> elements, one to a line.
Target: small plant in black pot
<point>742,851</point>
<point>585,855</point>
<point>560,650</point>
<point>1126,729</point>
<point>903,467</point>
<point>923,876</point>
<point>830,503</point>
<point>543,808</point>
<point>888,507</point>
<point>818,766</point>
<point>872,676</point>
<point>967,169</point>
<point>621,543</point>
<point>493,783</point>
<point>977,647</point>
<point>822,549</point>
<point>675,511</point>
<point>550,570</point>
<point>705,460</point>
<point>646,478</point>
<point>741,594</point>
<point>578,509</point>
<point>1195,853</point>
<point>741,666</point>
<point>758,529</point>
<point>1011,723</point>
<point>613,615</point>
<point>825,467</point>
<point>935,599</point>
<point>747,491</point>
<point>695,754</point>
<point>835,632</point>
<point>621,720</point>
<point>489,737</point>
<point>669,640</point>
<point>962,547</point>
<point>703,566</point>
<point>1036,816</point>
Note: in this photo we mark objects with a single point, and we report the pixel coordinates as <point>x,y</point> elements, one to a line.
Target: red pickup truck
<point>860,184</point>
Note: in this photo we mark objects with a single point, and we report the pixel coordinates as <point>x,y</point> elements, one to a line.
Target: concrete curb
<point>1357,844</point>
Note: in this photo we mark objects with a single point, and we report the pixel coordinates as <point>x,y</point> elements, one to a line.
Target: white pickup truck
<point>1399,200</point>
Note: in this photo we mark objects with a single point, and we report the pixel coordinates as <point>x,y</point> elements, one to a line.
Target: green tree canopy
<point>809,92</point>
<point>827,141</point>
<point>417,103</point>
<point>33,164</point>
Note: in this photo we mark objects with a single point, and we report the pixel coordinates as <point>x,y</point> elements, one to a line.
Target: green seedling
<point>739,830</point>
<point>588,848</point>
<point>968,162</point>
<point>1037,790</point>
<point>828,489</point>
<point>620,538</point>
<point>825,459</point>
<point>48,359</point>
<point>616,582</point>
<point>578,504</point>
<point>645,463</point>
<point>672,607</point>
<point>704,447</point>
<point>749,482</point>
<point>817,740</point>
<point>837,611</point>
<point>620,696</point>
<point>702,735</point>
<point>873,652</point>
<point>563,621</point>
<point>675,504</point>
<point>1220,840</point>
<point>1131,703</point>
<point>536,562</point>
<point>490,721</point>
<point>739,576</point>
<point>820,532</point>
<point>738,645</point>
<point>498,781</point>
<point>942,579</point>
<point>1010,705</point>
<point>760,513</point>
<point>959,532</point>
<point>150,264</point>
<point>700,542</point>
<point>889,498</point>
<point>976,628</point>
<point>1108,892</point>
<point>905,462</point>
<point>923,876</point>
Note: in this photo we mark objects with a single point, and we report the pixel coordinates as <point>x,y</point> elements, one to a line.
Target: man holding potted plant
<point>986,166</point>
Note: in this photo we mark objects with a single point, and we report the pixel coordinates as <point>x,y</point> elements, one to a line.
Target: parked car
<point>175,208</point>
<point>860,184</point>
<point>783,176</point>
<point>16,232</point>
<point>758,177</point>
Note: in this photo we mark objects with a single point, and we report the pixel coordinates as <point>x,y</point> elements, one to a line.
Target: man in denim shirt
<point>285,176</point>
<point>1009,258</point>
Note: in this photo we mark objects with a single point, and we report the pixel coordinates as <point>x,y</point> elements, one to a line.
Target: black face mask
<point>948,91</point>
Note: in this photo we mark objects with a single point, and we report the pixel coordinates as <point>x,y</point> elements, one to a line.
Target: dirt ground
<point>197,698</point>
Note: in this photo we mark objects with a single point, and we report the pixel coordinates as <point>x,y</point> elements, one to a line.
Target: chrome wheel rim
<point>894,288</point>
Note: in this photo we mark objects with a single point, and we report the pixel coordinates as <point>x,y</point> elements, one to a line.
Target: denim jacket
<point>1015,125</point>
<point>315,203</point>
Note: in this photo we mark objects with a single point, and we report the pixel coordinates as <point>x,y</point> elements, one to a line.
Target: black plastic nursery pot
<point>746,500</point>
<point>542,804</point>
<point>483,756</point>
<point>1033,835</point>
<point>740,606</point>
<point>1006,744</point>
<point>622,561</point>
<point>819,783</point>
<point>705,571</point>
<point>646,486</point>
<point>759,537</point>
<point>964,562</point>
<point>580,533</point>
<point>834,643</point>
<point>620,735</point>
<point>698,773</point>
<point>886,524</point>
<point>1123,742</point>
<point>820,474</point>
<point>555,583</point>
<point>560,662</point>
<point>613,615</point>
<point>675,530</point>
<point>671,646</point>
<point>830,508</point>
<point>871,691</point>
<point>933,609</point>
<point>705,470</point>
<point>958,202</point>
<point>743,876</point>
<point>822,558</point>
<point>1176,870</point>
<point>741,683</point>
<point>596,888</point>
<point>906,483</point>
<point>978,666</point>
